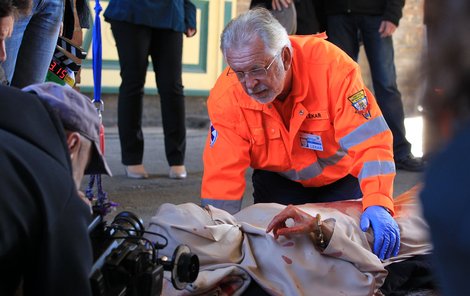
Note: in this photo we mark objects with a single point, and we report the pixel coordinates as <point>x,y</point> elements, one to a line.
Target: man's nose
<point>250,81</point>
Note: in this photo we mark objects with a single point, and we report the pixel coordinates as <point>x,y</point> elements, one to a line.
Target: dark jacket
<point>43,223</point>
<point>446,179</point>
<point>391,10</point>
<point>177,15</point>
<point>310,15</point>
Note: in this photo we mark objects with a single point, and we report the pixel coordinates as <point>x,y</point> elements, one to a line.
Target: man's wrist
<point>319,233</point>
<point>322,232</point>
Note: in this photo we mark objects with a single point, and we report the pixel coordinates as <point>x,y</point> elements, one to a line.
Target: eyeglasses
<point>258,73</point>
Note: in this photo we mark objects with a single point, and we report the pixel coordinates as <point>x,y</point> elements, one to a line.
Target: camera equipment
<point>126,263</point>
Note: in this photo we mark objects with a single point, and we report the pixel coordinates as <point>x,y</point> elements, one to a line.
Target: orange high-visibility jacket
<point>336,129</point>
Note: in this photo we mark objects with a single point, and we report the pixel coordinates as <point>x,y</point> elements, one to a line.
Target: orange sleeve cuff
<point>378,200</point>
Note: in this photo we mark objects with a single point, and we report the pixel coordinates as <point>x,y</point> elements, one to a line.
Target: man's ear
<point>73,143</point>
<point>286,57</point>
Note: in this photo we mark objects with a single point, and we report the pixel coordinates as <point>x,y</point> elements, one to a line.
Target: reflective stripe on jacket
<point>333,114</point>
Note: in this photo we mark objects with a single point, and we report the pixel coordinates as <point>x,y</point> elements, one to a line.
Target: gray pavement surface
<point>143,197</point>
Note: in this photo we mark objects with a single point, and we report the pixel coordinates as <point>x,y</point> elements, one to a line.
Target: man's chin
<point>262,99</point>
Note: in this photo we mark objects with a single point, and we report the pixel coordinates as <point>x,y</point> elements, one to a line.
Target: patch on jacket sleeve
<point>360,103</point>
<point>214,135</point>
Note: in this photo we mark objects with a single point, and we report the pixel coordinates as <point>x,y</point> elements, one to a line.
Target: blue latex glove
<point>386,231</point>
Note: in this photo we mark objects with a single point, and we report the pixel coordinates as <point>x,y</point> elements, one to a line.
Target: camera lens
<point>184,267</point>
<point>129,222</point>
<point>188,267</point>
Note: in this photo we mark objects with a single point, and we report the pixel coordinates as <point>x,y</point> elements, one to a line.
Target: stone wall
<point>408,41</point>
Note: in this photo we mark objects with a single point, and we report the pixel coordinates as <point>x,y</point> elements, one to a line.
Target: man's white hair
<point>255,23</point>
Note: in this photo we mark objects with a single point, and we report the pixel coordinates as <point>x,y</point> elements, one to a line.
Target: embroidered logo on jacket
<point>360,103</point>
<point>214,135</point>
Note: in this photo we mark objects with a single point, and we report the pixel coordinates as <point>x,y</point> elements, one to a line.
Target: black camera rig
<point>127,263</point>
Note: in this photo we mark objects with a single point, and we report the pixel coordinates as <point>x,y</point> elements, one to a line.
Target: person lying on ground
<point>235,250</point>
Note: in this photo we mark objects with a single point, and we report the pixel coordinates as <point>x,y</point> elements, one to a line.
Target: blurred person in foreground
<point>296,110</point>
<point>446,194</point>
<point>48,139</point>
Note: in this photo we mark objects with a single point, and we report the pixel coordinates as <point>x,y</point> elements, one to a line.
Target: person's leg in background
<point>12,44</point>
<point>167,54</point>
<point>308,21</point>
<point>380,54</point>
<point>343,32</point>
<point>31,47</point>
<point>133,43</point>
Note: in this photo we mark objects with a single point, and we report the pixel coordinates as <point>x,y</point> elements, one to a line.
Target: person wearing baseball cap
<point>78,115</point>
<point>48,137</point>
<point>81,124</point>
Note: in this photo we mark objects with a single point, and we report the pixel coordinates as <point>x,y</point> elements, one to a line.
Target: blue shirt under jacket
<point>178,15</point>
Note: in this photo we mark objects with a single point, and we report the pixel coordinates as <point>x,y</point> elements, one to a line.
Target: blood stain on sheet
<point>288,244</point>
<point>287,259</point>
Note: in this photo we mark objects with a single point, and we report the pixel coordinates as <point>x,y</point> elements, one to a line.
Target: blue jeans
<point>347,31</point>
<point>31,46</point>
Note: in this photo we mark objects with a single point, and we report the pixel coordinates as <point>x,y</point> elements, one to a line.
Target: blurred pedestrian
<point>372,23</point>
<point>142,29</point>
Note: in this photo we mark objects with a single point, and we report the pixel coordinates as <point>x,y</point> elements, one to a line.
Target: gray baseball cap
<point>77,114</point>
